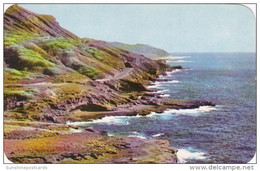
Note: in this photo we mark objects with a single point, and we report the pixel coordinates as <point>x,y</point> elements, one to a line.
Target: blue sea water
<point>222,134</point>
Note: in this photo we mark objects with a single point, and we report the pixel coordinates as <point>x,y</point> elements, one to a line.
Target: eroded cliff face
<point>18,19</point>
<point>37,43</point>
<point>49,69</point>
<point>51,76</point>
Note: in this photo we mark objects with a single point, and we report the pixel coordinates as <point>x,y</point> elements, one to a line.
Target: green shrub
<point>11,39</point>
<point>33,59</point>
<point>13,74</point>
<point>96,53</point>
<point>89,71</point>
<point>59,43</point>
<point>17,93</point>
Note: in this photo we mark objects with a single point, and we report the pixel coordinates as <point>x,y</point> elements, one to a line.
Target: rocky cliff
<point>40,55</point>
<point>51,76</point>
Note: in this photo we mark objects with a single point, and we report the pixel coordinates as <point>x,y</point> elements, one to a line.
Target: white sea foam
<point>137,134</point>
<point>153,86</point>
<point>75,130</point>
<point>157,84</point>
<point>164,95</point>
<point>124,120</point>
<point>112,120</point>
<point>110,134</point>
<point>180,61</point>
<point>161,76</point>
<point>158,135</point>
<point>130,134</point>
<point>170,81</point>
<point>183,155</point>
<point>178,57</point>
<point>108,120</point>
<point>162,91</point>
<point>172,72</point>
<point>169,58</point>
<point>191,112</point>
<point>201,109</point>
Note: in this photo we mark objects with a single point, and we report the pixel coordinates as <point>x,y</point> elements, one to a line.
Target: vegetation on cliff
<point>146,50</point>
<point>41,58</point>
<point>51,76</point>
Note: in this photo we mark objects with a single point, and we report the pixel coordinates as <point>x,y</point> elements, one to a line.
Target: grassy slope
<point>146,50</point>
<point>37,49</point>
<point>47,71</point>
<point>32,46</point>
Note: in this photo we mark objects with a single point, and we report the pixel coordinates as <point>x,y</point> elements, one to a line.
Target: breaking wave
<point>191,112</point>
<point>180,61</point>
<point>183,155</point>
<point>158,135</point>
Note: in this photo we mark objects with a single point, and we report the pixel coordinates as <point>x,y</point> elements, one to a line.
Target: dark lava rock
<point>177,67</point>
<point>89,129</point>
<point>93,156</point>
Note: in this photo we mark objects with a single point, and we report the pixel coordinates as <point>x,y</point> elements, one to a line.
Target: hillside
<point>50,74</point>
<point>38,43</point>
<point>37,50</point>
<point>52,77</point>
<point>146,50</point>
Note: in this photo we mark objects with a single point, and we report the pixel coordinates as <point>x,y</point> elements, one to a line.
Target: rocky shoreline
<point>51,76</point>
<point>90,147</point>
<point>70,147</point>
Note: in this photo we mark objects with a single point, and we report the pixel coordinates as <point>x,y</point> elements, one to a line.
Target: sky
<point>173,27</point>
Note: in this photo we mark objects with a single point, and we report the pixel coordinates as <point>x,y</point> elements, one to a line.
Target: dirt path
<point>120,75</point>
<point>124,73</point>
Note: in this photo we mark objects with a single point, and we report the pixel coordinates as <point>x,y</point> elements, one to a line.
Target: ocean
<point>225,133</point>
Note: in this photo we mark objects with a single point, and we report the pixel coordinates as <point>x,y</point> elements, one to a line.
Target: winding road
<point>122,74</point>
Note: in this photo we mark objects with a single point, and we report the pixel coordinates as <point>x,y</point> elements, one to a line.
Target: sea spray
<point>179,61</point>
<point>158,135</point>
<point>164,95</point>
<point>191,112</point>
<point>184,155</point>
<point>108,120</point>
<point>125,120</point>
<point>172,72</point>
